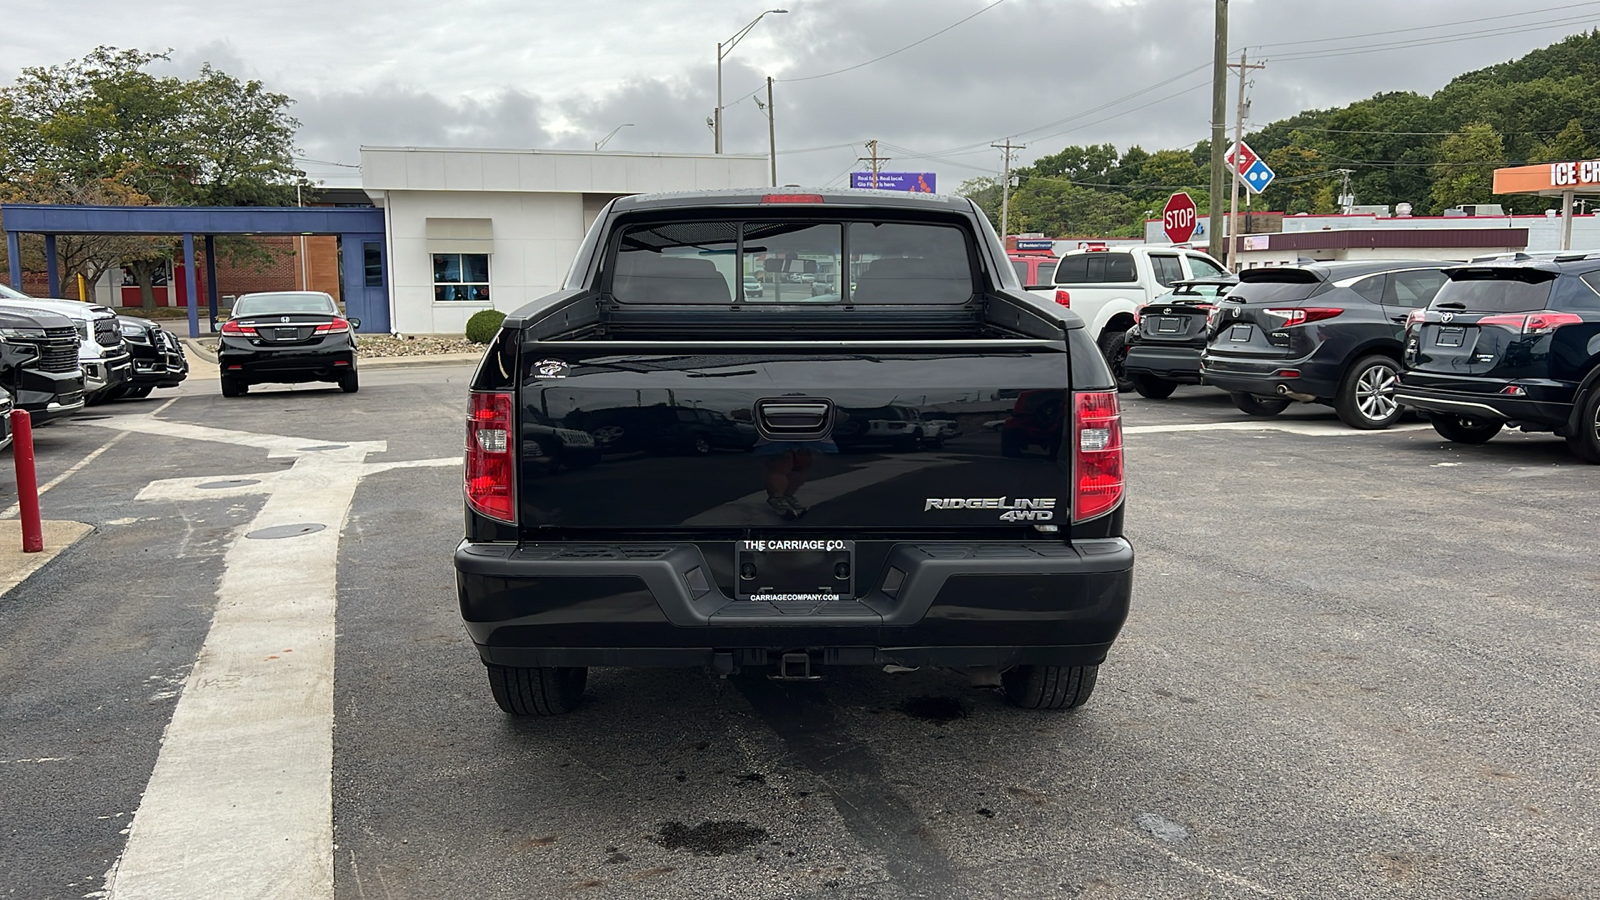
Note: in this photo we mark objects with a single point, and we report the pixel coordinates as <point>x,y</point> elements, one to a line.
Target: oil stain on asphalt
<point>710,838</point>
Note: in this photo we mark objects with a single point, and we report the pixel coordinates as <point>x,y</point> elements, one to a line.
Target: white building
<point>469,230</point>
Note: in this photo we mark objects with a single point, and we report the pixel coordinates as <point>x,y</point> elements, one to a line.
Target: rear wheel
<point>1114,347</point>
<point>1366,395</point>
<point>1049,687</point>
<point>1464,429</point>
<point>233,387</point>
<point>1257,405</point>
<point>545,691</point>
<point>699,446</point>
<point>1153,387</point>
<point>349,382</point>
<point>1585,442</point>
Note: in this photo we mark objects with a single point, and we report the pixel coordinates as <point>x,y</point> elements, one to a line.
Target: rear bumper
<point>1537,408</point>
<point>1180,364</point>
<point>1235,374</point>
<point>658,605</point>
<point>286,364</point>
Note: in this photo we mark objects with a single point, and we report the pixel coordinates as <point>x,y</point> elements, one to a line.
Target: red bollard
<point>27,481</point>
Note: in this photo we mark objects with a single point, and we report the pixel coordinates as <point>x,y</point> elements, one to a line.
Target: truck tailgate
<point>944,437</point>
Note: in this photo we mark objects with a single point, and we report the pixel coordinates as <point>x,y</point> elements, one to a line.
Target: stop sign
<point>1179,218</point>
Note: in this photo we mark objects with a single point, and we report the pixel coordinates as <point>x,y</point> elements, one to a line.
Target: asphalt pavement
<point>1358,665</point>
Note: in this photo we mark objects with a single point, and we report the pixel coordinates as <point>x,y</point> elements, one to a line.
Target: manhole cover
<point>231,482</point>
<point>286,531</point>
<point>325,447</point>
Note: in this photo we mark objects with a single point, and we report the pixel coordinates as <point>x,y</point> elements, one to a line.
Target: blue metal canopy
<point>353,224</point>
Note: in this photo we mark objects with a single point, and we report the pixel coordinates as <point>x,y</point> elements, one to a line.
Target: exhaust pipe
<point>1283,390</point>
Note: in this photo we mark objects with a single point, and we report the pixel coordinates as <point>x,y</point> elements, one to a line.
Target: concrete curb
<point>16,566</point>
<point>194,348</point>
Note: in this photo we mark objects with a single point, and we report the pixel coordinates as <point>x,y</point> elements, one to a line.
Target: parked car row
<point>57,356</point>
<point>1477,347</point>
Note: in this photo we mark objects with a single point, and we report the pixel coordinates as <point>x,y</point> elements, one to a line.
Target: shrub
<point>482,326</point>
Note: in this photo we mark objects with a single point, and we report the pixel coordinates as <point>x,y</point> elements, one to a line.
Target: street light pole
<point>602,142</point>
<point>723,49</point>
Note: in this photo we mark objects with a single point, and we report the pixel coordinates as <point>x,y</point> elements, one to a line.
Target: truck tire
<point>1258,406</point>
<point>1114,347</point>
<point>1585,442</point>
<point>545,691</point>
<point>1366,394</point>
<point>1153,387</point>
<point>1464,429</point>
<point>1049,687</point>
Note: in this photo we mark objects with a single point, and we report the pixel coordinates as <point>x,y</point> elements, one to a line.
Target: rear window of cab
<point>771,261</point>
<point>1096,268</point>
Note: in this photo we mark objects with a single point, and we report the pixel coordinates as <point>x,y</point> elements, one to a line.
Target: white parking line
<point>1313,429</point>
<point>241,803</point>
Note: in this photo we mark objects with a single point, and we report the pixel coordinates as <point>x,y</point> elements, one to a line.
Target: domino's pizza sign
<point>1258,176</point>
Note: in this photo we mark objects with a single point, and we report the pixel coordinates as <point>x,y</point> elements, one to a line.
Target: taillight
<point>1415,317</point>
<point>337,326</point>
<point>1138,313</point>
<point>1097,454</point>
<point>1533,323</point>
<point>489,464</point>
<point>232,327</point>
<point>1300,315</point>
<point>791,198</point>
<point>1064,298</point>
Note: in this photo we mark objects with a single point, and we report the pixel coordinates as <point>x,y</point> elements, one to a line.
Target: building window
<point>461,276</point>
<point>372,260</point>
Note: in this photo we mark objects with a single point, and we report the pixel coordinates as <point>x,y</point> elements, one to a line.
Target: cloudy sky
<point>547,74</point>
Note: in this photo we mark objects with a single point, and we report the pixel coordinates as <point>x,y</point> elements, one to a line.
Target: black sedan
<point>158,360</point>
<point>1164,347</point>
<point>286,337</point>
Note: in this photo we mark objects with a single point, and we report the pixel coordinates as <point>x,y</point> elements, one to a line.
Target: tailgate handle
<point>794,419</point>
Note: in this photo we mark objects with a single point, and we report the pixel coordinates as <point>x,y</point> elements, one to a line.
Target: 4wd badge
<point>1022,509</point>
<point>551,368</point>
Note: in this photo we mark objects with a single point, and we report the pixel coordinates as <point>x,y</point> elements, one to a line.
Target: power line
<point>1531,12</point>
<point>894,52</point>
<point>1425,42</point>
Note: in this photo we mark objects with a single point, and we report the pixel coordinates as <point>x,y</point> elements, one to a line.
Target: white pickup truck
<point>1106,287</point>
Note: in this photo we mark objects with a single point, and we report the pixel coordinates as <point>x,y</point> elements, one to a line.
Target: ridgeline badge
<point>1039,509</point>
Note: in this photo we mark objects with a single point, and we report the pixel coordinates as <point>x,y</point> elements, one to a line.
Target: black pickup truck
<point>845,531</point>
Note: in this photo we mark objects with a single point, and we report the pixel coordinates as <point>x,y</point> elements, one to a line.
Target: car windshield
<point>273,304</point>
<point>11,293</point>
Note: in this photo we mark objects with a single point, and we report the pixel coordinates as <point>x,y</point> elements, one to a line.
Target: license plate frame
<point>1239,334</point>
<point>794,569</point>
<point>286,333</point>
<point>1169,325</point>
<point>1451,336</point>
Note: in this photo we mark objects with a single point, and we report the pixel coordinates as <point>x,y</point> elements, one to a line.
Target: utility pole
<point>1238,142</point>
<point>1219,112</point>
<point>1005,186</point>
<point>1347,198</point>
<point>772,134</point>
<point>875,161</point>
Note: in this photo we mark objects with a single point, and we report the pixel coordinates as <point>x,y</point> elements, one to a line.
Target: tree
<point>106,129</point>
<point>1571,143</point>
<point>1464,172</point>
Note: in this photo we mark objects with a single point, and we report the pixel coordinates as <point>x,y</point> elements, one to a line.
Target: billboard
<point>915,182</point>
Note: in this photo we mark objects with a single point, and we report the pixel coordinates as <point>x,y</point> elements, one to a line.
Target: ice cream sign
<point>1582,176</point>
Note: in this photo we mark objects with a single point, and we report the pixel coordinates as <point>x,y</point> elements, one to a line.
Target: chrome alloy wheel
<point>1375,392</point>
